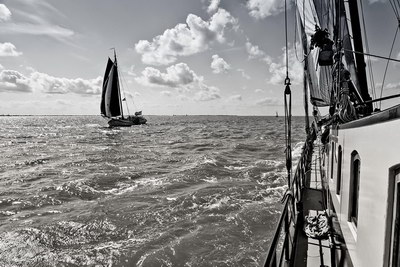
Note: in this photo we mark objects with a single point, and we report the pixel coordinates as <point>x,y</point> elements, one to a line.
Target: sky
<point>211,57</point>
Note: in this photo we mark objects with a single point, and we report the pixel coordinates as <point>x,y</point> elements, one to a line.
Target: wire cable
<point>387,65</point>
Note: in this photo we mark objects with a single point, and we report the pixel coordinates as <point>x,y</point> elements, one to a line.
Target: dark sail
<point>105,81</point>
<point>110,101</point>
<point>115,100</point>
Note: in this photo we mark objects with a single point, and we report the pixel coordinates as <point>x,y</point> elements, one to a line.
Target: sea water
<point>180,191</point>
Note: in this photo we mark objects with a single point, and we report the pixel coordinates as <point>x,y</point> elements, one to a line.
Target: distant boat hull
<point>127,122</point>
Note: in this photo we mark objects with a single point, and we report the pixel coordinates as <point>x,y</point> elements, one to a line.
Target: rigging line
<point>305,56</point>
<point>372,55</point>
<point>288,109</point>
<point>123,91</point>
<point>369,62</point>
<point>387,65</point>
<point>395,10</point>
<point>398,4</point>
<point>286,40</point>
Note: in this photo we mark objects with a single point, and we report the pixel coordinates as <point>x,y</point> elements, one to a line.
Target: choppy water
<point>181,191</point>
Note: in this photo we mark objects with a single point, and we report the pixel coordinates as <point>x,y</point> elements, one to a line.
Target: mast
<point>358,46</point>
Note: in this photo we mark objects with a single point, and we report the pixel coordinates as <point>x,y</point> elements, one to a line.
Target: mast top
<point>115,55</point>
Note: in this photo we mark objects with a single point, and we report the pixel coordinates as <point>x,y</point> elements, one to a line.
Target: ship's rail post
<point>283,245</point>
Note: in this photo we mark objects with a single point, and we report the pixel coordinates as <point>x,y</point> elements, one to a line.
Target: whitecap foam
<point>211,180</point>
<point>297,150</point>
<point>218,204</point>
<point>236,168</point>
<point>210,161</point>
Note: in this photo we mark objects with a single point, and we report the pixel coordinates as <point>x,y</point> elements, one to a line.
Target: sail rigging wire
<point>369,61</point>
<point>123,91</point>
<point>372,55</point>
<point>387,65</point>
<point>288,106</point>
<point>397,13</point>
<point>136,107</point>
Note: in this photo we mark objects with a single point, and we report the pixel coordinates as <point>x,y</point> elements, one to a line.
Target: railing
<point>282,249</point>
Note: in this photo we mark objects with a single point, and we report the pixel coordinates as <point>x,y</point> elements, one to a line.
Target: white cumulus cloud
<point>177,75</point>
<point>260,9</point>
<point>181,78</point>
<point>56,85</point>
<point>213,6</point>
<point>5,13</point>
<point>219,65</point>
<point>185,39</point>
<point>8,50</point>
<point>14,81</point>
<point>256,53</point>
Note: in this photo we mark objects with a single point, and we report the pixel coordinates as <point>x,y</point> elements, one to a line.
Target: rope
<point>288,107</point>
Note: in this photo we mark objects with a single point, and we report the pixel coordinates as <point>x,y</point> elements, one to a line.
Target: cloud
<point>185,39</point>
<point>235,98</point>
<point>166,93</point>
<point>35,21</point>
<point>376,1</point>
<point>54,31</point>
<point>278,69</point>
<point>259,91</point>
<point>213,6</point>
<point>390,86</point>
<point>181,78</point>
<point>256,53</point>
<point>14,81</point>
<point>219,65</point>
<point>8,50</point>
<point>5,13</point>
<point>244,74</point>
<point>55,85</point>
<point>131,71</point>
<point>177,75</point>
<point>63,102</point>
<point>260,9</point>
<point>270,101</point>
<point>207,93</point>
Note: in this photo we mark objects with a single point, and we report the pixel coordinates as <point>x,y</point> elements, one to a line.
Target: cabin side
<point>362,162</point>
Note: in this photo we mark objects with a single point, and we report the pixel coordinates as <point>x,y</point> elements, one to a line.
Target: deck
<point>312,252</point>
<point>308,195</point>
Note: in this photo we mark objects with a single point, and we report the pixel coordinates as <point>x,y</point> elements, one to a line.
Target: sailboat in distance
<point>111,100</point>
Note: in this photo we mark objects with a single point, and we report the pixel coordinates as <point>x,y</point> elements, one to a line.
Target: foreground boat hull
<point>127,122</point>
<point>371,144</point>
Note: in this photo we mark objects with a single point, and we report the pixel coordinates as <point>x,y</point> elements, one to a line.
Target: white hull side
<point>378,146</point>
